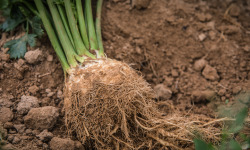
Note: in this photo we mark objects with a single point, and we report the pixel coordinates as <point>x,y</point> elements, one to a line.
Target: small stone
<point>222,92</point>
<point>200,64</point>
<point>10,138</point>
<point>16,140</point>
<point>50,94</point>
<point>20,62</point>
<point>210,73</point>
<point>8,125</point>
<point>48,90</point>
<point>19,68</point>
<point>236,89</point>
<point>202,37</point>
<point>42,118</point>
<point>33,57</point>
<point>5,114</point>
<point>223,98</point>
<point>28,132</point>
<point>33,89</point>
<point>199,96</point>
<point>20,128</point>
<point>59,94</point>
<point>174,73</point>
<point>35,132</point>
<point>39,143</point>
<point>62,144</point>
<point>50,58</point>
<point>162,92</point>
<point>228,95</point>
<point>246,48</point>
<point>204,17</point>
<point>26,103</point>
<point>45,136</point>
<point>5,102</point>
<point>24,137</point>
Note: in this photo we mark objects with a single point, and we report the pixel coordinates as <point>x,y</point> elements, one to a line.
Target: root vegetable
<point>107,104</point>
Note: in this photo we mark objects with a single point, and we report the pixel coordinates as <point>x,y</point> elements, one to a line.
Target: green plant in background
<point>20,13</point>
<point>232,129</point>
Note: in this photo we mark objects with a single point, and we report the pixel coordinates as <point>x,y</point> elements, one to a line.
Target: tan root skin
<point>109,105</point>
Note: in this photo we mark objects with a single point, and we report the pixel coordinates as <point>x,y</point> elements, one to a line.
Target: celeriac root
<point>109,106</point>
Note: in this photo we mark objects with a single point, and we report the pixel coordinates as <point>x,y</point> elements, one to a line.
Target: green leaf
<point>234,145</point>
<point>10,24</point>
<point>4,4</point>
<point>201,145</point>
<point>18,47</point>
<point>26,12</point>
<point>14,18</point>
<point>239,122</point>
<point>36,25</point>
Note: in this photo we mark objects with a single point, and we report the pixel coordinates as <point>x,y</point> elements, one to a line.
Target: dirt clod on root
<point>109,106</point>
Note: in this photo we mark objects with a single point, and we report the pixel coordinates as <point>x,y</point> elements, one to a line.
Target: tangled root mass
<point>109,105</point>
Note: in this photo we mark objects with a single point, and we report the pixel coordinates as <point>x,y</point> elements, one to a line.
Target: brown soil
<point>165,40</point>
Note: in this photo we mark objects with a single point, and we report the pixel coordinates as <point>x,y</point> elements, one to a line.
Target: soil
<point>197,50</point>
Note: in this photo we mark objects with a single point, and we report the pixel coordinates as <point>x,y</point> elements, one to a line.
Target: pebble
<point>236,89</point>
<point>50,94</point>
<point>33,89</point>
<point>33,57</point>
<point>16,140</point>
<point>174,73</point>
<point>199,96</point>
<point>200,64</point>
<point>28,132</point>
<point>50,58</point>
<point>202,37</point>
<point>5,114</point>
<point>21,62</point>
<point>8,125</point>
<point>204,17</point>
<point>62,144</point>
<point>162,92</point>
<point>45,136</point>
<point>5,102</point>
<point>35,132</point>
<point>222,92</point>
<point>26,103</point>
<point>42,118</point>
<point>59,94</point>
<point>210,73</point>
<point>10,138</point>
<point>20,128</point>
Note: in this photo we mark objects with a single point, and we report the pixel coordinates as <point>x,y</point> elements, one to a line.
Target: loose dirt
<point>197,51</point>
